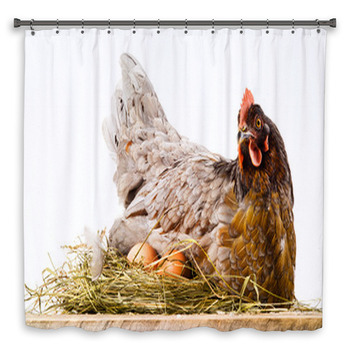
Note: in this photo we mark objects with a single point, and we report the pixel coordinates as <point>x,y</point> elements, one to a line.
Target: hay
<point>127,288</point>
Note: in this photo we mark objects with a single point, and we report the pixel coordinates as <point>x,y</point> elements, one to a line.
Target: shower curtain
<point>206,84</point>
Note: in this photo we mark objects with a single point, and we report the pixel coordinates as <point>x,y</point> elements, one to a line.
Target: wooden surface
<point>225,322</point>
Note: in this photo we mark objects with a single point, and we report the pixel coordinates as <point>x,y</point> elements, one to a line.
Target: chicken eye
<point>258,123</point>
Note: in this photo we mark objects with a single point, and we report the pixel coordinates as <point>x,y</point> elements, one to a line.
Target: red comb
<point>247,101</point>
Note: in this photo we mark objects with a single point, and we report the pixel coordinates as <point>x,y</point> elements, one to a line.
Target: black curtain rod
<point>174,23</point>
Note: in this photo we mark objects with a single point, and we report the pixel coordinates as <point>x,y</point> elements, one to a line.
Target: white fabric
<point>200,78</point>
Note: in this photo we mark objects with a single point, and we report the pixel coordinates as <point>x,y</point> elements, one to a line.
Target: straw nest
<point>125,287</point>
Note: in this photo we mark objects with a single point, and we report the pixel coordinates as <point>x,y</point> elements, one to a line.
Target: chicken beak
<point>244,136</point>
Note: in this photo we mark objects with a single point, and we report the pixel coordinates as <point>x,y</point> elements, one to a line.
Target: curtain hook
<point>134,27</point>
<point>57,26</point>
<point>318,26</point>
<point>293,31</point>
<point>186,31</point>
<point>158,31</point>
<point>241,31</point>
<point>82,26</point>
<point>212,27</point>
<point>109,26</point>
<point>267,26</point>
<point>31,26</point>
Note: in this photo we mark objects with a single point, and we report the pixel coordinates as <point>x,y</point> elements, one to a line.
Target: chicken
<point>239,211</point>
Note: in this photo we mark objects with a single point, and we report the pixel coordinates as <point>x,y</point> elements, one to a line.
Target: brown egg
<point>143,253</point>
<point>174,264</point>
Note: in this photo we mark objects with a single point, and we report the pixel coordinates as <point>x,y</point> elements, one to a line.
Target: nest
<point>125,287</point>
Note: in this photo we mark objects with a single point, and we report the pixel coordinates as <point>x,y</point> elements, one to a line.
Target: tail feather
<point>139,136</point>
<point>144,109</point>
<point>137,107</point>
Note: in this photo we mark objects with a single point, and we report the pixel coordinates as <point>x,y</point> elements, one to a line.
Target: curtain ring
<point>212,27</point>
<point>267,26</point>
<point>293,31</point>
<point>241,31</point>
<point>134,27</point>
<point>57,27</point>
<point>318,26</point>
<point>82,26</point>
<point>109,26</point>
<point>31,27</point>
<point>186,31</point>
<point>158,31</point>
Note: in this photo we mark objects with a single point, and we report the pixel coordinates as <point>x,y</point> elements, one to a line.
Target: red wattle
<point>240,157</point>
<point>255,153</point>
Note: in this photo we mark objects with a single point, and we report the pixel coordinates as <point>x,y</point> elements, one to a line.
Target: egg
<point>143,253</point>
<point>174,263</point>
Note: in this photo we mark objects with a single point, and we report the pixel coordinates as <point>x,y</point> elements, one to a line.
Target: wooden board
<point>225,322</point>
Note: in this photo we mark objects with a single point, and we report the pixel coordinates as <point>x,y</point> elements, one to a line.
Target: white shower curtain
<point>200,78</point>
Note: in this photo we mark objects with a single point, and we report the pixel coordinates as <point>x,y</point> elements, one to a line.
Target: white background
<point>336,239</point>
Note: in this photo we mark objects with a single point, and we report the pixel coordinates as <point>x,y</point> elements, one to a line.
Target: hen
<point>239,211</point>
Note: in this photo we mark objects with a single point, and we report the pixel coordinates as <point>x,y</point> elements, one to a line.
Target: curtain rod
<point>174,23</point>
